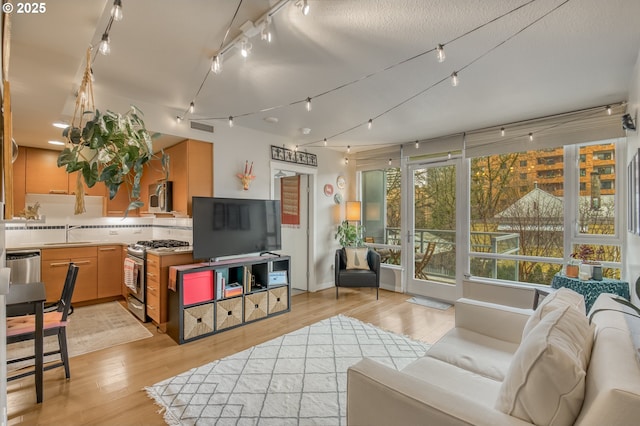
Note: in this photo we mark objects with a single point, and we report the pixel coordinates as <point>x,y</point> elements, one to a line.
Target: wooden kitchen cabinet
<point>191,170</point>
<point>110,270</point>
<point>118,206</point>
<point>54,265</point>
<point>19,180</point>
<point>43,176</point>
<point>157,283</point>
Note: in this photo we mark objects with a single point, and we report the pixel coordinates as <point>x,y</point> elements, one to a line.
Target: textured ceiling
<point>580,55</point>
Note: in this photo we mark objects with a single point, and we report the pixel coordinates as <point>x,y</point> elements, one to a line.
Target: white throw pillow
<point>545,382</point>
<point>556,300</point>
<point>357,258</point>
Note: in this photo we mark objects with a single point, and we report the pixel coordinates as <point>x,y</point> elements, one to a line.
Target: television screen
<point>234,226</point>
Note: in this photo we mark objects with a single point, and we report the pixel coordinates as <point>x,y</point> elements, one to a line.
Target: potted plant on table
<point>587,264</point>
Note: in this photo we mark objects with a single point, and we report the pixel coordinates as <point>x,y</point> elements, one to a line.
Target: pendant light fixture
<point>230,121</point>
<point>308,104</point>
<point>454,79</point>
<point>417,144</point>
<point>370,124</point>
<point>440,53</point>
<point>502,131</point>
<point>105,44</point>
<point>325,141</point>
<point>116,10</point>
<point>192,107</point>
<point>305,7</point>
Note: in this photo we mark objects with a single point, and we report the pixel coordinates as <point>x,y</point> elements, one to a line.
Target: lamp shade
<point>353,210</point>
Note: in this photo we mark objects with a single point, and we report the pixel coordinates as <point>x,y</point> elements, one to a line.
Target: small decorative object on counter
<point>31,212</point>
<point>572,269</point>
<point>597,272</point>
<point>247,176</point>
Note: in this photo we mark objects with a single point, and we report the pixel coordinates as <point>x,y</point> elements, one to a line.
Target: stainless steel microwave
<point>161,197</point>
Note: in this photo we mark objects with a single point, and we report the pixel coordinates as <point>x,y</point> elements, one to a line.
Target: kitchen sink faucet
<point>68,228</point>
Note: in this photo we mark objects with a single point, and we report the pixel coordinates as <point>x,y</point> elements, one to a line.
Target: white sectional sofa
<point>507,366</point>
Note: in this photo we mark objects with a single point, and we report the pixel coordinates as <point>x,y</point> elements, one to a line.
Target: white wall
<point>632,261</point>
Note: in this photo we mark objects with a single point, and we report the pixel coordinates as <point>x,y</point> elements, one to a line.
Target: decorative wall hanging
<point>328,190</point>
<point>281,153</point>
<point>340,182</point>
<point>247,176</point>
<point>290,199</point>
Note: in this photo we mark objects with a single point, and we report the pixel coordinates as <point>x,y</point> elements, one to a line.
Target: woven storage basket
<point>228,313</point>
<point>278,299</point>
<point>198,320</point>
<point>255,306</point>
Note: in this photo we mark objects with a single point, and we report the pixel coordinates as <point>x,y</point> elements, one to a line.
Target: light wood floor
<point>107,387</point>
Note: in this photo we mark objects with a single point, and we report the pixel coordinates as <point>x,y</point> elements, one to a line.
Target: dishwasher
<point>25,266</point>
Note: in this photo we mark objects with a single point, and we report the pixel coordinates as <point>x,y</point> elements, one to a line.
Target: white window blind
<point>549,132</point>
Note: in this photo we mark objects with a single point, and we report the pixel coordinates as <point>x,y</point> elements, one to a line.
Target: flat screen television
<point>234,226</point>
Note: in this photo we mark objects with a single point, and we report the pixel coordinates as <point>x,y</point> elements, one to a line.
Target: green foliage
<point>349,235</point>
<point>110,148</point>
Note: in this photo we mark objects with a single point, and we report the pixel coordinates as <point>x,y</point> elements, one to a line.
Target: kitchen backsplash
<point>56,213</point>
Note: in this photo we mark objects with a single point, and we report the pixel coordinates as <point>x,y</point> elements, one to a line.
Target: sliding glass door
<point>429,246</point>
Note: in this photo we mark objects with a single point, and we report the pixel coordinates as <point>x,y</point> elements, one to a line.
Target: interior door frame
<point>429,288</point>
<point>311,173</point>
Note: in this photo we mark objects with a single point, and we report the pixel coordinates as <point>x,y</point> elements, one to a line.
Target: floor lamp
<point>354,214</point>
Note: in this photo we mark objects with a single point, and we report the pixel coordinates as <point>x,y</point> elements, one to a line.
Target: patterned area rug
<point>298,378</point>
<point>90,328</point>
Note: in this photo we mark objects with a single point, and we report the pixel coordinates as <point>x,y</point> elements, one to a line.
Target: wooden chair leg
<point>336,292</point>
<point>377,293</point>
<point>62,341</point>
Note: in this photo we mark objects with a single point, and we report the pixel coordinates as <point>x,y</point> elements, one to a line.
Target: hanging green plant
<point>110,148</point>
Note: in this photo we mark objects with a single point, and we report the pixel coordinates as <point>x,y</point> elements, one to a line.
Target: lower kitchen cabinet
<point>218,296</point>
<point>110,271</point>
<point>54,265</point>
<point>157,274</point>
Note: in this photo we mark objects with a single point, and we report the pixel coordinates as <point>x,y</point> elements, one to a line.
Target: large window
<point>517,230</point>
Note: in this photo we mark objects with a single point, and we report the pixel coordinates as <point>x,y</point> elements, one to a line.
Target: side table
<point>591,289</point>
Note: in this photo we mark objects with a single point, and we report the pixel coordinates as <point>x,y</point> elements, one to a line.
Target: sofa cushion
<point>556,300</point>
<point>612,395</point>
<point>457,380</point>
<point>546,379</point>
<point>357,258</point>
<point>475,352</point>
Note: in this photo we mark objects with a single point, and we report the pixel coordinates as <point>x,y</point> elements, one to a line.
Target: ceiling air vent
<point>202,126</point>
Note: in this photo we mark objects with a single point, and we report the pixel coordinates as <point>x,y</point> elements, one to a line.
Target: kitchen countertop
<point>42,246</point>
<point>170,250</point>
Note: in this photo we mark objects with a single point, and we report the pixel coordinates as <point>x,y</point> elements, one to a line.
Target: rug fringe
<point>167,415</point>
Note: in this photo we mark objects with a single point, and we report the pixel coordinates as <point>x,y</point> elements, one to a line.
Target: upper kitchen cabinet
<point>36,171</point>
<point>42,174</point>
<point>191,170</point>
<point>19,175</point>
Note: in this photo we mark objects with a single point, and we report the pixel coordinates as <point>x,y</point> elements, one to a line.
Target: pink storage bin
<point>197,287</point>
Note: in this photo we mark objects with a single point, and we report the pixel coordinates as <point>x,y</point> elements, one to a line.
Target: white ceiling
<point>582,55</point>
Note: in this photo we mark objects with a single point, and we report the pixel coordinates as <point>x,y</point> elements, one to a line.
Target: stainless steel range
<point>135,272</point>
